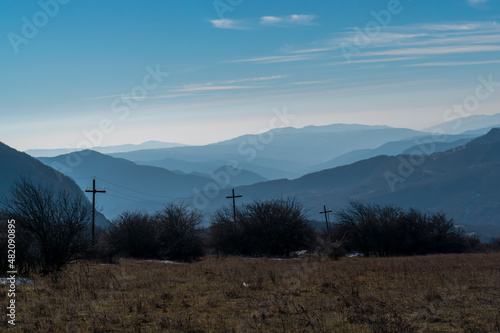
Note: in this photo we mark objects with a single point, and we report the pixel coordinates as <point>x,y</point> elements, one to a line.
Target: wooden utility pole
<point>326,217</point>
<point>94,191</point>
<point>234,203</point>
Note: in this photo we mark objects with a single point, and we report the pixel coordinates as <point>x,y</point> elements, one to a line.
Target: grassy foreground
<point>439,293</point>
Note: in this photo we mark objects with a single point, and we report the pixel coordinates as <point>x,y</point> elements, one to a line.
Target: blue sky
<point>79,72</point>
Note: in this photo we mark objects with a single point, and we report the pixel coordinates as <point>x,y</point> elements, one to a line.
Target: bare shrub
<point>50,226</point>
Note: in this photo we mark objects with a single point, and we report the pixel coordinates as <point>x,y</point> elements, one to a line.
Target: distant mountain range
<point>463,182</point>
<point>278,153</point>
<point>470,123</point>
<point>104,150</point>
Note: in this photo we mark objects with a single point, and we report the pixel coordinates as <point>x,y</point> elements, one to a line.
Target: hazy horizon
<point>232,137</point>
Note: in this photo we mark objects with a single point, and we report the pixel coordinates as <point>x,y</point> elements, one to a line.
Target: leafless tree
<point>133,234</point>
<point>180,233</point>
<point>51,225</point>
<point>274,227</point>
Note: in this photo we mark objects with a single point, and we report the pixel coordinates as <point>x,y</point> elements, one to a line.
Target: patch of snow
<point>18,281</point>
<point>169,262</point>
<point>285,258</point>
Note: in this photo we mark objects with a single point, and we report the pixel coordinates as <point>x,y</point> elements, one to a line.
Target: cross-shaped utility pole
<point>234,203</point>
<point>94,191</point>
<point>326,217</point>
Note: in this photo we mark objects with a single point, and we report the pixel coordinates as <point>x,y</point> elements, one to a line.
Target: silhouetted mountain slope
<point>406,146</point>
<point>463,182</point>
<point>15,164</point>
<point>439,146</point>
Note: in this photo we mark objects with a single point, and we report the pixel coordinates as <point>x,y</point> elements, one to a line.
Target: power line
<point>137,201</point>
<point>250,194</point>
<point>133,190</point>
<point>134,197</point>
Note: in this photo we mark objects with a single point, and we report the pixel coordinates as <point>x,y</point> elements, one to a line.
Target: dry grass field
<point>438,293</point>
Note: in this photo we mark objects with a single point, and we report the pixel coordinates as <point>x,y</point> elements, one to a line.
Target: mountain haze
<point>284,152</point>
<point>463,182</point>
<point>104,150</point>
<point>464,124</point>
<point>131,186</point>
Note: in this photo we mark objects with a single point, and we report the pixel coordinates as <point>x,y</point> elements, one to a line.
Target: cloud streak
<point>229,84</point>
<point>455,63</point>
<point>229,24</point>
<point>191,88</point>
<point>265,21</point>
<point>287,21</point>
<point>477,2</point>
<point>436,50</point>
<point>274,59</point>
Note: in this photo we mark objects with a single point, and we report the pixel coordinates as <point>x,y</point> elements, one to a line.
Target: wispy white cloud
<point>103,97</point>
<point>314,50</point>
<point>274,59</point>
<point>270,20</point>
<point>287,21</point>
<point>301,83</point>
<point>169,96</point>
<point>302,19</point>
<point>276,21</point>
<point>229,84</point>
<point>464,26</point>
<point>254,79</point>
<point>455,63</point>
<point>128,97</point>
<point>452,49</point>
<point>381,39</point>
<point>477,2</point>
<point>376,60</point>
<point>214,88</point>
<point>455,34</point>
<point>229,24</point>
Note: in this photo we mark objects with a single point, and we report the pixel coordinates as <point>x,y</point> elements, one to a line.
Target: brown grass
<point>439,293</point>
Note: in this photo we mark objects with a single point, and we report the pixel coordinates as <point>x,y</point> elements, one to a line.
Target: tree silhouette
<point>50,226</point>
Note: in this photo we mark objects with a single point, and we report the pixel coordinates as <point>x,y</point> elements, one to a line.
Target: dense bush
<point>133,234</point>
<point>171,233</point>
<point>180,233</point>
<point>275,227</point>
<point>388,230</point>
